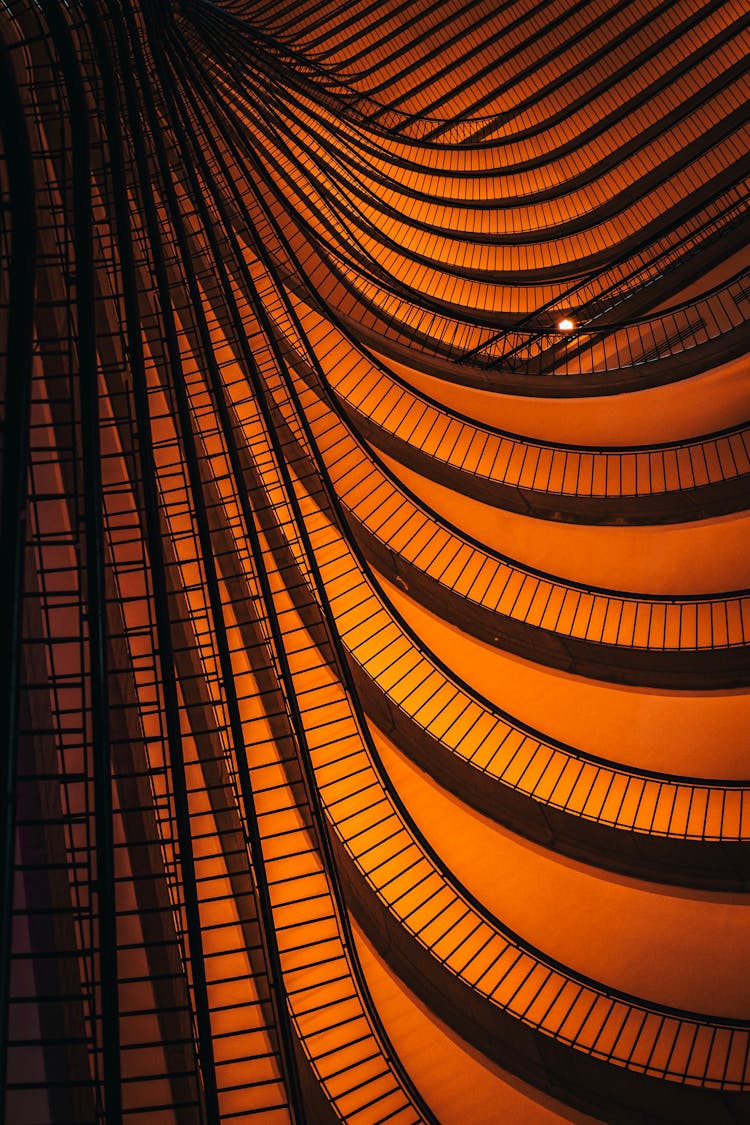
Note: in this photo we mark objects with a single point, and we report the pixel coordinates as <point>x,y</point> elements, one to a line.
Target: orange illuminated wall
<point>374,534</point>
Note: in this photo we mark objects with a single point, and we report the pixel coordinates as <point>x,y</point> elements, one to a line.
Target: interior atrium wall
<point>374,532</point>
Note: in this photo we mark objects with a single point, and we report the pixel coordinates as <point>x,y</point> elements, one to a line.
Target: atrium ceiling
<point>374,535</point>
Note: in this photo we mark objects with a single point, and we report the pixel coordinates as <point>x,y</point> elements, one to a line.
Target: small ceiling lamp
<point>566,324</point>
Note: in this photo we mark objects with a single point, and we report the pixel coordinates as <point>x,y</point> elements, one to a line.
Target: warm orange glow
<point>375,672</point>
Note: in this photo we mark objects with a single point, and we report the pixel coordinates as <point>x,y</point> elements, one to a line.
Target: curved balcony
<point>273,800</point>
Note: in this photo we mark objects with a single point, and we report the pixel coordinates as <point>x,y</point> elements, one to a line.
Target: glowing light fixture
<point>566,324</point>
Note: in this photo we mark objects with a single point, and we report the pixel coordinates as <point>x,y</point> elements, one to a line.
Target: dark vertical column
<point>12,505</point>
